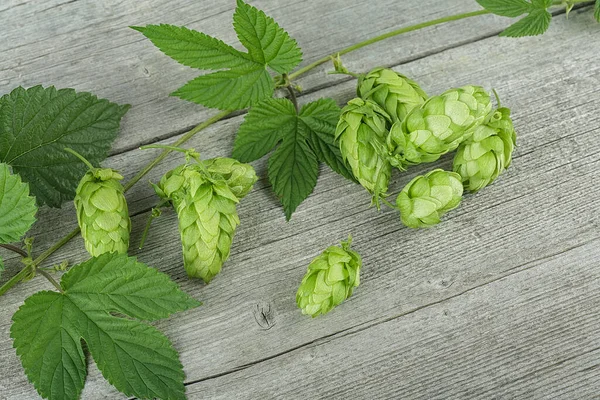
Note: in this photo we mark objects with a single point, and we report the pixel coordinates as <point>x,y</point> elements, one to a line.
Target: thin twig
<point>293,98</point>
<point>50,278</point>
<point>15,249</point>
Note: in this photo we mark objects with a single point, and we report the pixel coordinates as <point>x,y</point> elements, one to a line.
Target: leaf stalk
<point>15,249</point>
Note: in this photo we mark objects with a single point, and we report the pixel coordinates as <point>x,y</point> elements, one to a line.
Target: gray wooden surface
<point>501,301</point>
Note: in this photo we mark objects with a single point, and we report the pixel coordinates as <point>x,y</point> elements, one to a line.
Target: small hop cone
<point>102,212</point>
<point>393,92</point>
<point>482,158</point>
<point>330,279</point>
<point>438,126</point>
<point>361,133</point>
<point>424,200</point>
<point>240,177</point>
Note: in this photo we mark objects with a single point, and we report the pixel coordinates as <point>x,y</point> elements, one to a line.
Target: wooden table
<point>500,301</point>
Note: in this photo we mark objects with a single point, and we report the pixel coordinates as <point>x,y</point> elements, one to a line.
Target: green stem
<point>352,74</point>
<point>50,278</point>
<point>155,213</point>
<point>387,35</point>
<point>55,247</point>
<point>15,279</point>
<point>178,143</point>
<point>82,158</point>
<point>15,249</point>
<point>387,203</point>
<point>293,98</point>
<point>163,147</point>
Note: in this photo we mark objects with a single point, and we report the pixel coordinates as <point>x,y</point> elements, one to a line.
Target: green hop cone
<point>206,209</point>
<point>361,133</point>
<point>330,279</point>
<point>102,212</point>
<point>482,158</point>
<point>438,126</point>
<point>424,200</point>
<point>240,177</point>
<point>393,92</point>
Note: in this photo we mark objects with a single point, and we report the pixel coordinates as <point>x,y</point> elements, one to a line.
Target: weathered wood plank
<point>527,336</point>
<point>87,45</point>
<point>543,206</point>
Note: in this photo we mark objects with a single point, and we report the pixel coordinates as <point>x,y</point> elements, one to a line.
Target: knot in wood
<point>264,315</point>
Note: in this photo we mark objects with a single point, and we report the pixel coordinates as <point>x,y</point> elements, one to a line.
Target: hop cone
<point>361,133</point>
<point>393,92</point>
<point>438,126</point>
<point>330,279</point>
<point>102,212</point>
<point>206,209</point>
<point>426,198</point>
<point>240,177</point>
<point>487,153</point>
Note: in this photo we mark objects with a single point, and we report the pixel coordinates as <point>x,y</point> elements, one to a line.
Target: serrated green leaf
<point>136,358</point>
<point>195,49</point>
<point>321,118</point>
<point>1,267</point>
<point>506,8</point>
<point>293,167</point>
<point>266,42</point>
<point>597,11</point>
<point>536,23</point>
<point>47,336</point>
<point>541,4</point>
<point>145,293</point>
<point>229,90</point>
<point>17,208</point>
<point>293,170</point>
<point>305,138</point>
<point>263,127</point>
<point>242,79</point>
<point>36,124</point>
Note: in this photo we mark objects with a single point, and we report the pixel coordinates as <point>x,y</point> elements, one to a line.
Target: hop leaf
<point>597,11</point>
<point>506,8</point>
<point>1,267</point>
<point>480,160</point>
<point>535,23</point>
<point>134,357</point>
<point>102,212</point>
<point>266,42</point>
<point>241,79</point>
<point>36,124</point>
<point>330,279</point>
<point>424,200</point>
<point>304,139</point>
<point>17,208</point>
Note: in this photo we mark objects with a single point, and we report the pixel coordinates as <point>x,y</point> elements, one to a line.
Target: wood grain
<point>514,266</point>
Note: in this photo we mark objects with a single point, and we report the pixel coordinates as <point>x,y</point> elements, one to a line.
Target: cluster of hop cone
<point>394,124</point>
<point>204,194</point>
